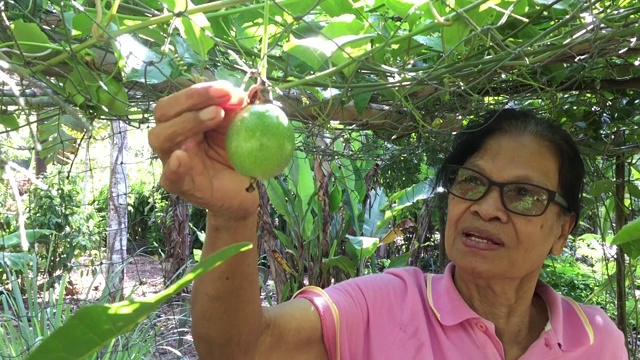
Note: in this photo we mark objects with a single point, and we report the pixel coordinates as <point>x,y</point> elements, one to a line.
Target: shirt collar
<point>567,320</point>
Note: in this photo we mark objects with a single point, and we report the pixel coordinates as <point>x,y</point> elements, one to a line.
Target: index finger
<point>198,97</point>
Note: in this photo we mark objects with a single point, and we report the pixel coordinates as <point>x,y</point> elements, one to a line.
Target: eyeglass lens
<point>525,199</point>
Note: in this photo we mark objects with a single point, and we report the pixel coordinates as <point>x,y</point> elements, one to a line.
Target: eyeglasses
<point>519,198</point>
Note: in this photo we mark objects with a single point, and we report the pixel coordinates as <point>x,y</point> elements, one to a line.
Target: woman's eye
<point>521,191</point>
<point>471,179</point>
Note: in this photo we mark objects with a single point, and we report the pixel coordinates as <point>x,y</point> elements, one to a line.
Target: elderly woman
<point>514,184</point>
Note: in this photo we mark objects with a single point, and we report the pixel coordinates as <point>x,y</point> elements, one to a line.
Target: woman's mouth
<point>481,240</point>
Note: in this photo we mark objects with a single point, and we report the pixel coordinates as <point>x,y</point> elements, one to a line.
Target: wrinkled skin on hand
<point>189,139</point>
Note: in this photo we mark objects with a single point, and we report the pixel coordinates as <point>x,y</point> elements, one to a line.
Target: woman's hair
<point>513,121</point>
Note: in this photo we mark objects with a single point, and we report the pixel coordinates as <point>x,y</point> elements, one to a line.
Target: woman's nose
<point>490,206</point>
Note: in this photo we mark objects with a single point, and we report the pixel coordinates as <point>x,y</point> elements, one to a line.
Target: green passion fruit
<point>260,141</point>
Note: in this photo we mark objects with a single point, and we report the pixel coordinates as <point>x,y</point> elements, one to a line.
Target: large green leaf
<point>13,241</point>
<point>313,51</point>
<point>629,238</point>
<point>343,263</point>
<point>141,63</point>
<point>278,197</point>
<point>302,178</point>
<point>28,36</point>
<point>82,84</point>
<point>195,28</point>
<point>400,260</point>
<point>411,10</point>
<point>92,326</point>
<point>78,23</point>
<point>9,121</point>
<point>599,187</point>
<point>374,225</point>
<point>338,7</point>
<point>15,261</point>
<point>112,98</point>
<point>634,190</point>
<point>403,198</point>
<point>350,47</point>
<point>361,247</point>
<point>300,8</point>
<point>335,198</point>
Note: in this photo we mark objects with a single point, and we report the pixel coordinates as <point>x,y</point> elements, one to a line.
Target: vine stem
<point>265,42</point>
<point>383,46</point>
<point>204,8</point>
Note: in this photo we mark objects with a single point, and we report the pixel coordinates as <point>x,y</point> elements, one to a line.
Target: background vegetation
<point>377,88</point>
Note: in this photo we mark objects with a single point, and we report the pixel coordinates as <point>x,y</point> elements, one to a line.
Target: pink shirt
<point>398,315</point>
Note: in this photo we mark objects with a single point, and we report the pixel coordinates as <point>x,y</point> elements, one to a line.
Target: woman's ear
<point>566,225</point>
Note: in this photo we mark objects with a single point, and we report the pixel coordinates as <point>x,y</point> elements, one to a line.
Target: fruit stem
<point>252,185</point>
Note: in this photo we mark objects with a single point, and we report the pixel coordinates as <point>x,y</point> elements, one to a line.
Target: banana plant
<point>335,243</point>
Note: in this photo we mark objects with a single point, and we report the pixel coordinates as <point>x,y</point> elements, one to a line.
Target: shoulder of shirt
<point>601,328</point>
<point>389,280</point>
<point>599,320</point>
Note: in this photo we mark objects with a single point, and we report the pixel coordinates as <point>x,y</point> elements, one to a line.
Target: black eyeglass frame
<point>553,196</point>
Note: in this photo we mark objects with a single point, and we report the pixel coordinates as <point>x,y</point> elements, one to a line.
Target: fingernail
<point>209,113</point>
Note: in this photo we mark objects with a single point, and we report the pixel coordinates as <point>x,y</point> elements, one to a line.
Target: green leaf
<point>112,97</point>
<point>632,249</point>
<point>410,10</point>
<point>92,326</point>
<point>234,77</point>
<point>399,261</point>
<point>360,101</point>
<point>29,33</point>
<point>432,42</point>
<point>313,51</point>
<point>276,191</point>
<point>562,5</point>
<point>403,198</point>
<point>628,233</point>
<point>13,240</point>
<point>81,84</point>
<point>140,63</point>
<point>75,123</point>
<point>9,121</point>
<point>299,8</point>
<point>302,176</point>
<point>15,261</point>
<point>342,262</point>
<point>344,25</point>
<point>335,198</point>
<point>195,28</point>
<point>284,240</point>
<point>79,23</point>
<point>634,190</point>
<point>361,247</point>
<point>185,54</point>
<point>350,47</point>
<point>600,187</point>
<point>339,7</point>
<point>373,217</point>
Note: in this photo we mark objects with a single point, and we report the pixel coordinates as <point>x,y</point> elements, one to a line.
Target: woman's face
<point>485,238</point>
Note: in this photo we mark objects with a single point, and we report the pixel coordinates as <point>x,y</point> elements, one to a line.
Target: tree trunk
<point>269,242</point>
<point>177,240</point>
<point>117,211</point>
<point>621,297</point>
<point>317,275</point>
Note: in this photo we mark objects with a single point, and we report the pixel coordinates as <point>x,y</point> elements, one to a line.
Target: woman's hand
<point>189,138</point>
